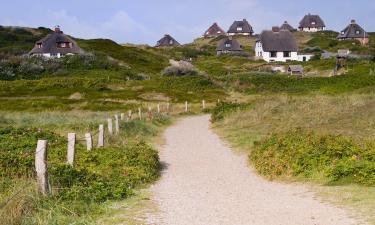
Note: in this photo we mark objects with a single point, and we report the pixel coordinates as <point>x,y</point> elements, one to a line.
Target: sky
<point>146,21</point>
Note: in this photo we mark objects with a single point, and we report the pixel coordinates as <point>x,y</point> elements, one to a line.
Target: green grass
<point>102,175</point>
<point>138,59</point>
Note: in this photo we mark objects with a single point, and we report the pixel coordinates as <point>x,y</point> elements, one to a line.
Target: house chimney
<point>57,29</point>
<point>353,22</point>
<point>275,29</point>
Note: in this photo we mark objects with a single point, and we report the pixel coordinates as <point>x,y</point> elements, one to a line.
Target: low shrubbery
<point>18,67</point>
<point>309,155</point>
<point>105,174</point>
<point>180,68</point>
<point>224,108</point>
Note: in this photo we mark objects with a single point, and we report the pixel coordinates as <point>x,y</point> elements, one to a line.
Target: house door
<point>304,59</point>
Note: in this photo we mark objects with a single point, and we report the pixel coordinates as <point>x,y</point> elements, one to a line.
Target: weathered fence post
<point>110,126</point>
<point>89,144</point>
<point>140,113</point>
<point>186,107</point>
<point>71,148</point>
<point>117,124</point>
<point>130,115</point>
<point>101,136</point>
<point>41,167</point>
<point>158,108</point>
<point>150,112</point>
<point>168,107</point>
<point>122,116</point>
<point>203,104</point>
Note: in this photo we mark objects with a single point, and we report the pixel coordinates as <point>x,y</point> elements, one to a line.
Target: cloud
<point>123,27</point>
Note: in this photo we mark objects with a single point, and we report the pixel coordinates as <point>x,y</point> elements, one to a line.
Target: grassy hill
<point>18,41</point>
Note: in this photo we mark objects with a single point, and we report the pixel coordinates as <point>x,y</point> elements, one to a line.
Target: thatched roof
<point>228,44</point>
<point>244,26</point>
<point>353,30</point>
<point>282,41</point>
<point>287,26</point>
<point>50,44</point>
<point>167,41</point>
<point>295,68</point>
<point>214,31</point>
<point>312,21</point>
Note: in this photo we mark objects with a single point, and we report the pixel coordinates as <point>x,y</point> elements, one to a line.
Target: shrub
<point>180,68</point>
<point>224,108</point>
<point>305,154</point>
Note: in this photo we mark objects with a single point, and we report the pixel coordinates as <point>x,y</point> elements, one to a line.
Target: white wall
<point>307,57</point>
<point>307,29</point>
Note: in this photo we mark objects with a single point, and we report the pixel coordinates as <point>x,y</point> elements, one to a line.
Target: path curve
<point>205,183</point>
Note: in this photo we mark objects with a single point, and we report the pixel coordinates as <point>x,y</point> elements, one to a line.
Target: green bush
<point>223,108</point>
<point>308,155</point>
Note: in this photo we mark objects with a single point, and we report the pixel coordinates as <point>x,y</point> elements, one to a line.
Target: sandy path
<point>206,183</point>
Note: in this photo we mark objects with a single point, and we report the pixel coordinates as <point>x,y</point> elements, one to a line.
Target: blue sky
<point>146,21</point>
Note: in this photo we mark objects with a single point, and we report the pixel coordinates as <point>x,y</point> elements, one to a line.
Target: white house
<point>276,46</point>
<point>56,45</point>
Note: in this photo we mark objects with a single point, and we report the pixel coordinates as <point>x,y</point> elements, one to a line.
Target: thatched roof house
<point>278,46</point>
<point>312,23</point>
<point>355,32</point>
<point>241,28</point>
<point>214,31</point>
<point>56,44</point>
<point>167,41</point>
<point>228,45</point>
<point>287,26</point>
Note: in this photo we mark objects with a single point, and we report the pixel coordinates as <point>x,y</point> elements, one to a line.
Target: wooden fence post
<point>71,148</point>
<point>41,167</point>
<point>186,107</point>
<point>150,112</point>
<point>203,104</point>
<point>168,107</point>
<point>140,113</point>
<point>110,126</point>
<point>158,108</point>
<point>101,136</point>
<point>130,115</point>
<point>122,116</point>
<point>117,124</point>
<point>89,144</point>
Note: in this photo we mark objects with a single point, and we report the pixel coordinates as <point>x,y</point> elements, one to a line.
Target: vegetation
<point>309,155</point>
<point>99,176</point>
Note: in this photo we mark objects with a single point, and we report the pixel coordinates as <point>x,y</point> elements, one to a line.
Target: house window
<point>171,42</point>
<point>219,32</point>
<point>287,54</point>
<point>273,54</point>
<point>228,45</point>
<point>313,23</point>
<point>239,28</point>
<point>39,45</point>
<point>342,32</point>
<point>357,32</point>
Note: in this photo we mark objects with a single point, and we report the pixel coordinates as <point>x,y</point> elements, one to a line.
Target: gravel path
<point>205,183</point>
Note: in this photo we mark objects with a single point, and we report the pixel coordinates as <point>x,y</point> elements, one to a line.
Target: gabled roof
<point>214,31</point>
<point>312,21</point>
<point>228,44</point>
<point>282,41</point>
<point>49,44</point>
<point>353,30</point>
<point>246,27</point>
<point>167,41</point>
<point>287,26</point>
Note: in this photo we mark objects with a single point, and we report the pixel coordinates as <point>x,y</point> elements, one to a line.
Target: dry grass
<point>349,115</point>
